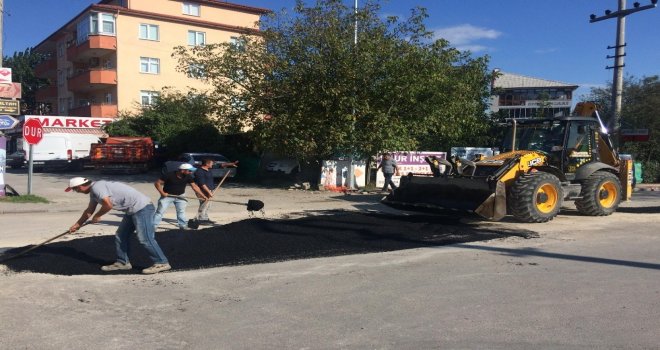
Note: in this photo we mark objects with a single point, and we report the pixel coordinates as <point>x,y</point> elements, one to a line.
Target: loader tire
<point>535,197</point>
<point>601,194</point>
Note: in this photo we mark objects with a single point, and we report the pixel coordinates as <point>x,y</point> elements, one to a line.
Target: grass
<point>28,198</point>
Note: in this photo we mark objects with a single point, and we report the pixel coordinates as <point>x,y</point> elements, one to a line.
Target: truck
<point>122,155</point>
<point>61,151</point>
<point>545,162</point>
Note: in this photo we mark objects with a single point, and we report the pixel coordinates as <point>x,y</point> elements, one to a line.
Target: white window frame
<point>152,65</point>
<point>191,9</point>
<point>92,24</point>
<point>150,97</point>
<point>148,27</point>
<point>195,36</point>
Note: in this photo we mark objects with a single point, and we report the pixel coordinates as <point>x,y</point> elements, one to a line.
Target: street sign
<point>12,90</point>
<point>7,122</point>
<point>33,132</point>
<point>5,75</point>
<point>639,135</point>
<point>12,107</point>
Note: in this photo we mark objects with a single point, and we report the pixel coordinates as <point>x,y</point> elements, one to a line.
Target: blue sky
<point>549,39</point>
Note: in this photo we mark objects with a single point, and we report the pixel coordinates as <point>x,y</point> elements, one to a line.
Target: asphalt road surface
<point>329,271</point>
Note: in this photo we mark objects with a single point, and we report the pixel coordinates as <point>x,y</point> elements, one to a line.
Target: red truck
<point>122,155</point>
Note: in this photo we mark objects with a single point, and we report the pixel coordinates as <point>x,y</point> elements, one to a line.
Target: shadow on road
<point>258,240</point>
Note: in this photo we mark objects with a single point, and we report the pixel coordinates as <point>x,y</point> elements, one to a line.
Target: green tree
<point>22,65</point>
<point>307,91</point>
<point>178,121</point>
<point>641,103</point>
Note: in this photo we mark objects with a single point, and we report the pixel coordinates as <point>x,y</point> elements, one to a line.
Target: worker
<point>171,187</point>
<point>390,168</point>
<point>138,217</point>
<point>204,180</point>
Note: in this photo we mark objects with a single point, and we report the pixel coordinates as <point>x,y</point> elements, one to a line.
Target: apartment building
<point>116,54</point>
<point>519,96</point>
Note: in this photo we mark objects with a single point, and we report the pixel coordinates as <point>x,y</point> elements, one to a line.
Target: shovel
<point>39,245</point>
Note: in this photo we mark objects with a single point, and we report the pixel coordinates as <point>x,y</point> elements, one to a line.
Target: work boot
<point>117,266</point>
<point>156,268</point>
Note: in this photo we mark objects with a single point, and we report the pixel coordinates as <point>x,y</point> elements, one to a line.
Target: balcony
<point>46,69</point>
<point>93,79</point>
<point>95,46</point>
<point>95,110</point>
<point>48,93</point>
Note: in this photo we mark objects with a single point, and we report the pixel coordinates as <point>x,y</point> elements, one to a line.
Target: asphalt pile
<point>258,240</point>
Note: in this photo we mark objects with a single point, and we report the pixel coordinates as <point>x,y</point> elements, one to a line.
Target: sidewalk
<point>647,187</point>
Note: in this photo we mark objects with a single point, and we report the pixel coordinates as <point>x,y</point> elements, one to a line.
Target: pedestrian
<point>138,217</point>
<point>204,180</point>
<point>389,169</point>
<point>171,187</point>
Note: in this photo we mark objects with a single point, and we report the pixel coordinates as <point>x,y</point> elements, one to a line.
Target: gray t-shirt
<point>122,196</point>
<point>388,166</point>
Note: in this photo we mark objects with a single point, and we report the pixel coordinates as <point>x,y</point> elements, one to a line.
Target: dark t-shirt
<point>204,177</point>
<point>175,185</point>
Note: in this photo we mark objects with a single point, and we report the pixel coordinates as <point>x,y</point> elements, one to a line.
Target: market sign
<point>70,122</point>
<point>10,107</point>
<point>12,91</point>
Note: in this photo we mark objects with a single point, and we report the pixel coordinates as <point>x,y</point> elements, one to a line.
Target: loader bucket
<point>420,193</point>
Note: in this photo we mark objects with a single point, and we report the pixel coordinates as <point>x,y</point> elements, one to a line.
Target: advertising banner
<point>3,164</point>
<point>409,162</point>
<point>334,175</point>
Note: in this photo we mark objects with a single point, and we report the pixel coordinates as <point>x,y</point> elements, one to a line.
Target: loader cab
<point>568,143</point>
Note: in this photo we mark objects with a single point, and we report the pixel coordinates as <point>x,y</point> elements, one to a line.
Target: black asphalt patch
<point>257,240</point>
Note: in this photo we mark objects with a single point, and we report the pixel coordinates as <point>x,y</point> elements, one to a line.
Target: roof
<point>513,81</point>
<point>103,5</point>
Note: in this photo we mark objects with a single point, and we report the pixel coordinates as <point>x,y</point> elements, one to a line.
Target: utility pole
<point>351,167</point>
<point>2,32</point>
<point>620,53</point>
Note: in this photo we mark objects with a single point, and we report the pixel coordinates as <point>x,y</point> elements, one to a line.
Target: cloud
<point>464,36</point>
<point>546,50</point>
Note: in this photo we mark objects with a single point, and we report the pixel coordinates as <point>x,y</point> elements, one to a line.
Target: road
<point>575,282</point>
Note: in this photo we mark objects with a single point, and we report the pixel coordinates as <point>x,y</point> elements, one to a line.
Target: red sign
<point>70,122</point>
<point>32,131</point>
<point>12,90</point>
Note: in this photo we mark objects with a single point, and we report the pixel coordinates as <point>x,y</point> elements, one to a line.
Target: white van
<point>58,151</point>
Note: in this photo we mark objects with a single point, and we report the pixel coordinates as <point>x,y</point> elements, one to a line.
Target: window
<point>196,38</point>
<point>196,71</point>
<point>95,23</point>
<point>60,50</point>
<point>191,9</point>
<point>237,43</point>
<point>148,32</point>
<point>149,65</point>
<point>108,98</point>
<point>60,78</point>
<point>148,97</point>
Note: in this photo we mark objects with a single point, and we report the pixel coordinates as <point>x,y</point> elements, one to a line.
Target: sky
<point>547,39</point>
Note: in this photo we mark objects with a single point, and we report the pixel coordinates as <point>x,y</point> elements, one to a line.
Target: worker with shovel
<point>138,217</point>
<point>204,180</point>
<point>171,187</point>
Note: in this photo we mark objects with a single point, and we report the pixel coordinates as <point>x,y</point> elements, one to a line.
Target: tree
<point>179,121</point>
<point>641,103</point>
<point>22,65</point>
<point>307,91</point>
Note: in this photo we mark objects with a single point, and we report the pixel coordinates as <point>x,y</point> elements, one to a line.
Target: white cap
<point>186,166</point>
<point>75,182</point>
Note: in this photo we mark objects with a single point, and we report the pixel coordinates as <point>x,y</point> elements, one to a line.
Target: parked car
<point>286,166</point>
<point>17,159</point>
<point>195,159</point>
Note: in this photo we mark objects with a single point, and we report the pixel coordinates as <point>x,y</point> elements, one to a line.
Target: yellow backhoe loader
<point>544,163</point>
